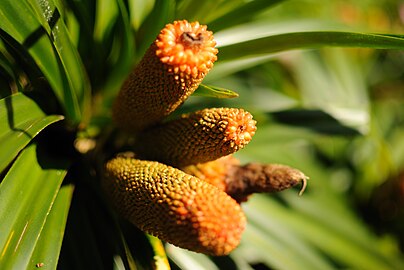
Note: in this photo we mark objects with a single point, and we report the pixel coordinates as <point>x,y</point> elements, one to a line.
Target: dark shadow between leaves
<point>55,148</point>
<point>315,120</point>
<point>10,117</point>
<point>40,31</point>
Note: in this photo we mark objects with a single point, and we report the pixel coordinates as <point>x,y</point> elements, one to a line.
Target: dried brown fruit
<point>170,71</point>
<point>197,137</point>
<point>174,206</point>
<point>242,181</point>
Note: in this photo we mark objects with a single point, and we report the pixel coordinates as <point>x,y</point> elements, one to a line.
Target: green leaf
<point>225,68</point>
<point>139,9</point>
<point>189,260</point>
<point>335,84</point>
<point>20,121</point>
<point>160,257</point>
<point>314,119</point>
<point>8,71</point>
<point>122,61</point>
<point>242,13</point>
<point>71,65</point>
<point>214,91</point>
<point>358,251</point>
<point>50,241</point>
<point>280,242</point>
<point>27,194</point>
<point>105,18</point>
<point>42,32</point>
<point>205,11</point>
<point>303,40</point>
<point>162,13</point>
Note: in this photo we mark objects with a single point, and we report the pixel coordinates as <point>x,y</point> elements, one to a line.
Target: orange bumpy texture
<point>174,206</point>
<point>214,172</point>
<point>197,137</point>
<point>170,71</point>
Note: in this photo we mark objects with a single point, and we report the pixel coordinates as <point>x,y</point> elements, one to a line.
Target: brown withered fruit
<point>241,181</point>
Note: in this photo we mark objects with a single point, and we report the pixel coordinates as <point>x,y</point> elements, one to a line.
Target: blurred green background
<point>324,80</point>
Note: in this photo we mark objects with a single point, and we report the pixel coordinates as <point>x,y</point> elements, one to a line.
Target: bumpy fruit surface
<point>198,137</point>
<point>174,206</point>
<point>170,71</point>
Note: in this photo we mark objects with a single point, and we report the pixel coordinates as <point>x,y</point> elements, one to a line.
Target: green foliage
<point>336,114</point>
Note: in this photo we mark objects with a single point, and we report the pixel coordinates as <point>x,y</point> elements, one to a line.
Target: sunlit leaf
<point>213,91</point>
<point>123,60</point>
<point>42,32</point>
<point>274,244</point>
<point>160,257</point>
<point>20,121</point>
<point>139,9</point>
<point>329,239</point>
<point>189,260</point>
<point>27,194</point>
<point>334,84</point>
<point>304,40</point>
<point>50,241</point>
<point>242,13</point>
<point>161,14</point>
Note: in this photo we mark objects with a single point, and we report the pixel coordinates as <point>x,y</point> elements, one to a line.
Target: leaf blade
<point>20,121</point>
<point>50,241</point>
<point>242,13</point>
<point>214,91</point>
<point>43,34</point>
<point>25,205</point>
<point>304,40</point>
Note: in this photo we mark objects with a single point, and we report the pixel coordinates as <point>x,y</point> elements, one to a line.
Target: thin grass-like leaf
<point>206,11</point>
<point>20,121</point>
<point>50,241</point>
<point>304,40</point>
<point>69,57</point>
<point>8,71</point>
<point>160,256</point>
<point>265,28</point>
<point>334,84</point>
<point>225,68</point>
<point>139,9</point>
<point>214,91</point>
<point>162,13</point>
<point>242,13</point>
<point>123,61</point>
<point>337,245</point>
<point>276,250</point>
<point>189,260</point>
<point>27,194</point>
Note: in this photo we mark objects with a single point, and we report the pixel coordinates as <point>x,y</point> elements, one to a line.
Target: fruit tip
<point>304,185</point>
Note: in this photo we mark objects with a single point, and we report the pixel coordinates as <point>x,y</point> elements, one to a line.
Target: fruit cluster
<point>181,182</point>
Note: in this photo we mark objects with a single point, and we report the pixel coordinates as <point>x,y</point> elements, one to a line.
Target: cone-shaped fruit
<point>197,137</point>
<point>174,206</point>
<point>170,71</point>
